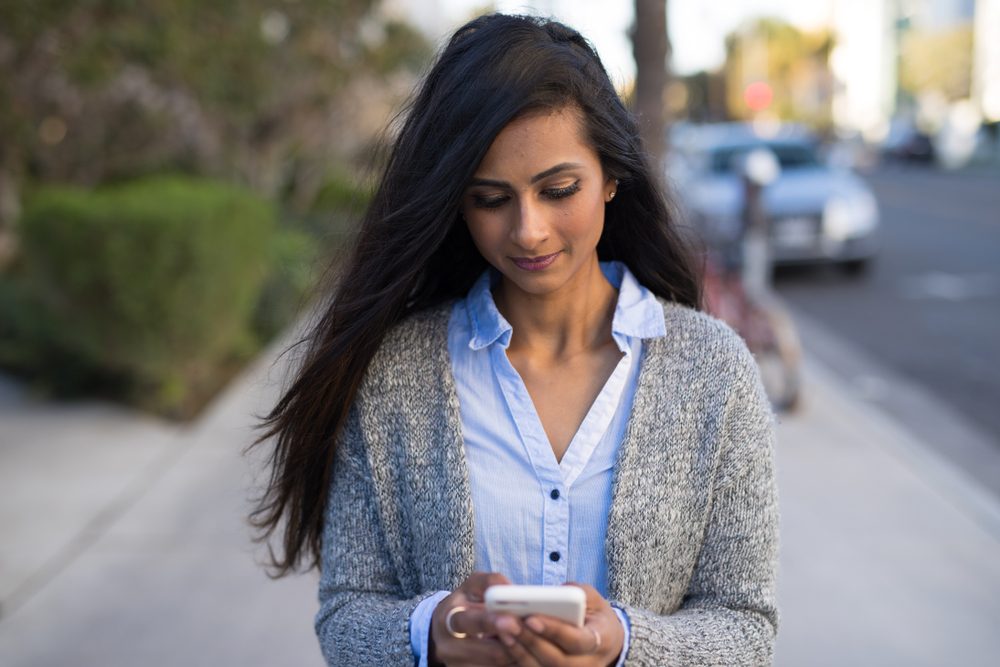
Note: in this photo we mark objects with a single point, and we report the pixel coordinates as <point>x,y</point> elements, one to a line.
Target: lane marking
<point>945,286</point>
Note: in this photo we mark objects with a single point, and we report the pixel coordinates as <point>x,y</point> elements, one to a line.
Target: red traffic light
<point>758,96</point>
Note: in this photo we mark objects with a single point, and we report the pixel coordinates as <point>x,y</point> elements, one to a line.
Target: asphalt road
<point>929,308</point>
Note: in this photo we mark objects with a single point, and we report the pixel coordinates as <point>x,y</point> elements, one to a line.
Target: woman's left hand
<point>543,641</point>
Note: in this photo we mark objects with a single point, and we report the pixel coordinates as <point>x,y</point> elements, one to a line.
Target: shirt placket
<point>555,512</point>
<point>597,420</point>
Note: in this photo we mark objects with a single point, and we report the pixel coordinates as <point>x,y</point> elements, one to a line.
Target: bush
<point>150,287</point>
<point>341,193</point>
<point>334,214</point>
<point>294,257</point>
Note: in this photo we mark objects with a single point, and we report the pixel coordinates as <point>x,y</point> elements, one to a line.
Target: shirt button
<point>554,556</point>
<point>554,495</point>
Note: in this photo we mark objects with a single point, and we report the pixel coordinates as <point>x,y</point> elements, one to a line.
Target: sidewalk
<point>124,541</point>
<point>889,555</point>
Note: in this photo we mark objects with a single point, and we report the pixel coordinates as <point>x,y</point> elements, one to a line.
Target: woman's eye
<point>559,193</point>
<point>489,202</point>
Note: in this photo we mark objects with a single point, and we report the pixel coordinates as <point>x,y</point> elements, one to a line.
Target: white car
<point>816,213</point>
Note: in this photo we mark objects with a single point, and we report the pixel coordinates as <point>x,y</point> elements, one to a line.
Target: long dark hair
<point>413,251</point>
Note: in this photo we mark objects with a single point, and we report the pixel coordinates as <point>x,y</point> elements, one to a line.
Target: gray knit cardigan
<point>692,533</point>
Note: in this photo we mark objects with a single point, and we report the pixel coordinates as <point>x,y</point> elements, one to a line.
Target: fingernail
<point>507,639</point>
<point>535,624</point>
<point>508,625</point>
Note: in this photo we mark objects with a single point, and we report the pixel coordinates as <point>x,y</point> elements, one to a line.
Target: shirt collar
<point>637,314</point>
<point>486,322</point>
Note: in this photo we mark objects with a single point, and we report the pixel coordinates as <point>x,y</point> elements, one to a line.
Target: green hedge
<point>152,287</point>
<point>294,262</point>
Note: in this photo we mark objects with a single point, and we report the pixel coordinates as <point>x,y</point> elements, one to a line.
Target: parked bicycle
<point>737,290</point>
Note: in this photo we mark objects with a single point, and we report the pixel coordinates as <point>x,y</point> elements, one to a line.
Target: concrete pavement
<point>124,541</point>
<point>890,556</point>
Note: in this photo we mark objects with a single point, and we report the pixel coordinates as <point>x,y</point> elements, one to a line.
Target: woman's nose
<point>530,229</point>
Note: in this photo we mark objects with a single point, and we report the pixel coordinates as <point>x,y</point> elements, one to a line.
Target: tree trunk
<point>651,48</point>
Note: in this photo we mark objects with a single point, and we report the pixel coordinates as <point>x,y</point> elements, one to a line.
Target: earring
<point>612,195</point>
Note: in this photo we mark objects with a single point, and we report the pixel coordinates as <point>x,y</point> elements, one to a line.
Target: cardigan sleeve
<point>362,617</point>
<point>729,613</point>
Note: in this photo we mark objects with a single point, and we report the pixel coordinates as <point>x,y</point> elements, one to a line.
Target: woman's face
<point>535,206</point>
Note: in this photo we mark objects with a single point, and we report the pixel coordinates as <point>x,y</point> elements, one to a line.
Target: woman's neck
<point>573,320</point>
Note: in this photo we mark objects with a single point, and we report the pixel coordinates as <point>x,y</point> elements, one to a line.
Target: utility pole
<point>651,48</point>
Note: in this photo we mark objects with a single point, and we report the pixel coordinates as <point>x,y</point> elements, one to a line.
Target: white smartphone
<point>564,602</point>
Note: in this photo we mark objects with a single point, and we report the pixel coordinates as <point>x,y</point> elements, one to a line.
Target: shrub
<point>294,257</point>
<point>151,285</point>
<point>342,193</point>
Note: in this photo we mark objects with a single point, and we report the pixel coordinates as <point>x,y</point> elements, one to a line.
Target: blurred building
<point>986,60</point>
<point>863,63</point>
<point>776,70</point>
<point>883,49</point>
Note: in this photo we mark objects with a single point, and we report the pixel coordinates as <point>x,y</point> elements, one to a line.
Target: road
<point>929,310</point>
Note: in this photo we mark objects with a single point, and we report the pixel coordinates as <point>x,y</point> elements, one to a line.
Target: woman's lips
<point>534,263</point>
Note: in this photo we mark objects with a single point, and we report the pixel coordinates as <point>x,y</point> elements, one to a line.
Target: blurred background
<point>177,176</point>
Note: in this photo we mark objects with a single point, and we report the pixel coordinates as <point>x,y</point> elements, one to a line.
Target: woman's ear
<point>610,189</point>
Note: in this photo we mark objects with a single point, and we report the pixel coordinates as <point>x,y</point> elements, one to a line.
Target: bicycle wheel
<point>780,379</point>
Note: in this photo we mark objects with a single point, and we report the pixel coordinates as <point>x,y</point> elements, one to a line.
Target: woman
<point>513,383</point>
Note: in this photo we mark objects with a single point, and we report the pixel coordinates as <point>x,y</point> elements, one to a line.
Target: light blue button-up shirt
<point>538,520</point>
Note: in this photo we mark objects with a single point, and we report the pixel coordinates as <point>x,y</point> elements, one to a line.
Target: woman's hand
<point>543,641</point>
<point>480,645</point>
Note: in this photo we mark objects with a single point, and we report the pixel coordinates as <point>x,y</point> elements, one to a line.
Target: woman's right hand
<point>480,646</point>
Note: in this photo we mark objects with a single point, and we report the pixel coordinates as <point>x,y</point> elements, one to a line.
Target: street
<point>928,311</point>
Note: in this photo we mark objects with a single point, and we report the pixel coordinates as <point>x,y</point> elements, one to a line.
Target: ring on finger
<point>448,619</point>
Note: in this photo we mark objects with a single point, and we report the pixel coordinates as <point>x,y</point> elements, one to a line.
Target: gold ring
<point>447,622</point>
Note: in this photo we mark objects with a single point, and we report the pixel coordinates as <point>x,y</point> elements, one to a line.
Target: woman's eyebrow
<point>562,166</point>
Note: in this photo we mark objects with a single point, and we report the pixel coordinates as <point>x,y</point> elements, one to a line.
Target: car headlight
<point>846,217</point>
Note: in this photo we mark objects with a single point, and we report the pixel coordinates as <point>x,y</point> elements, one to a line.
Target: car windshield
<point>790,156</point>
